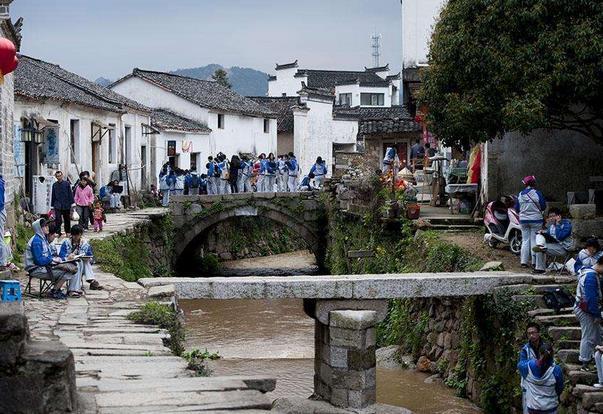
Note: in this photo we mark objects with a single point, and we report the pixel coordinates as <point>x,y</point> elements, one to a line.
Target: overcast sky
<point>110,37</point>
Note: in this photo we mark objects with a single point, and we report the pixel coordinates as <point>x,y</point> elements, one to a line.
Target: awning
<point>101,124</point>
<point>99,134</point>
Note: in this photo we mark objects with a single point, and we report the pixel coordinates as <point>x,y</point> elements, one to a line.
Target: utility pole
<point>402,50</point>
<point>376,50</point>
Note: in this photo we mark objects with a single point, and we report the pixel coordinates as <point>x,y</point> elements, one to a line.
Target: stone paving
<point>124,367</point>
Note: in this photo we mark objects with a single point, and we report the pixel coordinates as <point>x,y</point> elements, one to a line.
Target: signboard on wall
<point>52,146</point>
<point>171,148</point>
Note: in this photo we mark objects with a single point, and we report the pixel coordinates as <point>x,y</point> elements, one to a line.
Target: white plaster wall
<point>419,16</point>
<point>201,144</point>
<point>318,131</point>
<point>7,157</point>
<point>83,151</point>
<point>386,91</point>
<point>241,134</point>
<point>353,89</point>
<point>286,83</point>
<point>153,96</point>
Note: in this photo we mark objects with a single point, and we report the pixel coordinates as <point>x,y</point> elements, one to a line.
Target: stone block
<point>584,229</point>
<point>583,211</point>
<point>359,360</point>
<point>353,380</point>
<point>325,353</point>
<point>338,357</point>
<point>14,332</point>
<point>361,398</point>
<point>339,397</point>
<point>264,196</point>
<point>323,308</point>
<point>353,319</point>
<point>161,291</point>
<point>321,389</point>
<point>326,374</point>
<point>347,337</point>
<point>370,338</point>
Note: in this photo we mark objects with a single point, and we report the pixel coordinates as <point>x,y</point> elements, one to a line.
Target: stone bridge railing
<point>346,310</point>
<point>303,212</point>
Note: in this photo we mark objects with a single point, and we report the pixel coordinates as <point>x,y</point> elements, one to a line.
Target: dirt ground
<point>474,242</point>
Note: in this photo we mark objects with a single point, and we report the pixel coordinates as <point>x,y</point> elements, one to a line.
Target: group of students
<point>69,262</point>
<point>81,198</point>
<point>241,174</point>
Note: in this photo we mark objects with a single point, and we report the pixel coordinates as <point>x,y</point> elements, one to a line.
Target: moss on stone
<point>165,317</point>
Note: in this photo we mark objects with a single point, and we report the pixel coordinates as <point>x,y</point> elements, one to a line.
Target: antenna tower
<point>376,49</point>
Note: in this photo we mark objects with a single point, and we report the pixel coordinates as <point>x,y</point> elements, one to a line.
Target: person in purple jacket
<point>588,311</point>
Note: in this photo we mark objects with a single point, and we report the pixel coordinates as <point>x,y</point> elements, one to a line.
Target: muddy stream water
<point>275,338</point>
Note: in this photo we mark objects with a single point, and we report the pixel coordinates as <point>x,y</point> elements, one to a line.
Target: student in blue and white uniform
<point>530,205</point>
<point>530,350</point>
<point>588,256</point>
<point>282,173</point>
<point>294,171</point>
<point>270,174</point>
<point>319,169</point>
<point>306,183</point>
<point>588,311</point>
<point>543,382</point>
<point>559,230</point>
<point>244,177</point>
<point>224,182</point>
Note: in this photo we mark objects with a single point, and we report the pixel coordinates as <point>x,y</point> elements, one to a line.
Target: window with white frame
<point>345,99</point>
<point>372,99</point>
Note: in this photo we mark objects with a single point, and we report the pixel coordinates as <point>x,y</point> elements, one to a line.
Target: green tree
<point>221,77</point>
<point>508,65</point>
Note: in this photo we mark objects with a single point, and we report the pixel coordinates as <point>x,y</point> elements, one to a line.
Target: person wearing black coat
<point>61,201</point>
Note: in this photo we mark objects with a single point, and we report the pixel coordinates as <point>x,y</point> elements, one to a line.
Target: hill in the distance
<point>103,81</point>
<point>244,81</point>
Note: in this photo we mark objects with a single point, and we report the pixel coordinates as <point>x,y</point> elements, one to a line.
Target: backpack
<point>557,298</point>
<point>102,192</point>
<point>271,167</point>
<point>217,171</point>
<point>194,181</point>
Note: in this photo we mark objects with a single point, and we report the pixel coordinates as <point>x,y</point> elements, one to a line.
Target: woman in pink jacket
<point>84,199</point>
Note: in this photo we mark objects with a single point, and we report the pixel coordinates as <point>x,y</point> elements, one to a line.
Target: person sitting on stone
<point>40,263</point>
<point>588,256</point>
<point>76,245</point>
<point>559,241</point>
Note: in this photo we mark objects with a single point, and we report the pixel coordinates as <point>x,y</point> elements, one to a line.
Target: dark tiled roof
<point>379,120</point>
<point>286,65</point>
<point>167,120</point>
<point>378,68</point>
<point>393,77</point>
<point>207,94</point>
<point>323,93</point>
<point>328,79</point>
<point>36,79</point>
<point>283,107</point>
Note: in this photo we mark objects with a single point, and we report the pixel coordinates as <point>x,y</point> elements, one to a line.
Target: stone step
<point>180,384</point>
<point>118,352</point>
<point>552,279</point>
<point>568,319</point>
<point>579,377</point>
<point>143,402</point>
<point>568,356</point>
<point>127,338</point>
<point>548,312</point>
<point>567,344</point>
<point>128,330</point>
<point>564,332</point>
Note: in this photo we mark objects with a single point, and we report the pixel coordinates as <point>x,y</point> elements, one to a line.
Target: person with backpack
<point>223,180</point>
<point>543,381</point>
<point>319,169</point>
<point>235,163</point>
<point>293,172</point>
<point>194,182</point>
<point>588,311</point>
<point>213,175</point>
<point>261,174</point>
<point>244,176</point>
<point>530,205</point>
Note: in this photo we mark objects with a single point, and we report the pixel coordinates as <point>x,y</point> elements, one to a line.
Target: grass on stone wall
<point>124,255</point>
<point>164,316</point>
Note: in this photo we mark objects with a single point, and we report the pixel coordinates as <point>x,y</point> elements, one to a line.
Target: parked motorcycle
<point>502,224</point>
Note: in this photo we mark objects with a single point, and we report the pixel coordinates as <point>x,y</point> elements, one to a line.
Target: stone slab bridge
<point>346,310</point>
<point>303,212</point>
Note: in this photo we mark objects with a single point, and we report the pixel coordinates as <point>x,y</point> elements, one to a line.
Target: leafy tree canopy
<point>221,77</point>
<point>515,65</point>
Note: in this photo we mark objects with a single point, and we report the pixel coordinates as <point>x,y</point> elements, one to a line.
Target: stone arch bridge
<point>302,212</point>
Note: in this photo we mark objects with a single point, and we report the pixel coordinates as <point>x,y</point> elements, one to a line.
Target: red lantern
<point>8,58</point>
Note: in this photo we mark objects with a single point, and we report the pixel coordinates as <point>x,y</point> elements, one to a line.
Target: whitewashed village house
<point>337,111</point>
<point>198,118</point>
<point>68,123</point>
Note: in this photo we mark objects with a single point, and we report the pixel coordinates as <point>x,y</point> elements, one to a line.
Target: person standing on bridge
<point>224,182</point>
<point>293,169</point>
<point>244,178</point>
<point>259,184</point>
<point>270,177</point>
<point>213,174</point>
<point>319,169</point>
<point>282,176</point>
